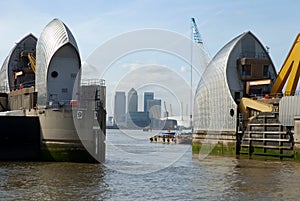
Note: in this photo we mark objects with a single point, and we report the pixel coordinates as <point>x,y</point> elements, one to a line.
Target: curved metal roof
<point>53,37</point>
<point>4,77</point>
<point>214,95</point>
<point>9,64</point>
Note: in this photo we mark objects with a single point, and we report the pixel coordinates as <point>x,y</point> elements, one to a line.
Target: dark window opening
<point>266,71</point>
<point>246,70</point>
<point>54,74</point>
<point>231,112</point>
<point>237,95</point>
<point>73,75</point>
<point>257,91</point>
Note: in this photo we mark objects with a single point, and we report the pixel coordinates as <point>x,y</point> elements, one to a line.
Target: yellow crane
<point>247,104</point>
<point>288,75</point>
<point>289,71</point>
<point>32,61</point>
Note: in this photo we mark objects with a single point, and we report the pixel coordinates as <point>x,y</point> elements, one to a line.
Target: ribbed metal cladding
<point>54,36</point>
<point>289,109</point>
<point>11,61</point>
<point>215,108</point>
<point>4,77</point>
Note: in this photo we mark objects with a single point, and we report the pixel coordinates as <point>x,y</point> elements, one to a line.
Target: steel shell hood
<point>54,37</point>
<point>11,62</point>
<point>4,76</point>
<point>215,108</point>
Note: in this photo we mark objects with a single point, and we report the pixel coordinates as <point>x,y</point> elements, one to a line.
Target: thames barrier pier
<point>41,84</point>
<point>240,106</point>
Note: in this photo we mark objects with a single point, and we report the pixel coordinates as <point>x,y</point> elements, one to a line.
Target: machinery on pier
<point>288,76</point>
<point>290,71</point>
<point>268,126</point>
<point>41,79</point>
<point>241,103</point>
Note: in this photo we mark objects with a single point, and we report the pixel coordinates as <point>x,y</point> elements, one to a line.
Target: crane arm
<point>289,71</point>
<point>255,105</point>
<point>196,34</point>
<point>247,104</point>
<point>32,61</point>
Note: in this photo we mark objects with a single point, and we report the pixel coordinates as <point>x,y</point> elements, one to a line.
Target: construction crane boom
<point>290,71</point>
<point>32,61</point>
<point>196,34</point>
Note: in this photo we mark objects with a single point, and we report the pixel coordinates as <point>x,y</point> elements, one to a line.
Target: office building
<point>147,96</point>
<point>132,101</point>
<point>120,107</point>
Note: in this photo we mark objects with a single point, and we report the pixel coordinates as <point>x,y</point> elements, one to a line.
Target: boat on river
<point>172,137</point>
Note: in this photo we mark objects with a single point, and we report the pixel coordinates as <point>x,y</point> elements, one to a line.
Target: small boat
<point>164,137</point>
<point>172,137</point>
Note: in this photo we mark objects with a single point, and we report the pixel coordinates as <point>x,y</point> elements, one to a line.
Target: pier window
<point>266,70</point>
<point>54,74</point>
<point>73,75</point>
<point>246,70</point>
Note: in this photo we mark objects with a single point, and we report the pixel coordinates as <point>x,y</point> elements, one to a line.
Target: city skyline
<point>132,100</point>
<point>158,110</point>
<point>126,106</point>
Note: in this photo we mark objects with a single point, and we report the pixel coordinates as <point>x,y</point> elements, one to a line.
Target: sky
<point>94,22</point>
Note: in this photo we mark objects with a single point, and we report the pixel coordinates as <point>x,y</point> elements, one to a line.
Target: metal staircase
<point>266,136</point>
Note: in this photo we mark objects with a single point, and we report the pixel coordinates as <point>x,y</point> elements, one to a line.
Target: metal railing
<point>89,82</point>
<point>254,54</point>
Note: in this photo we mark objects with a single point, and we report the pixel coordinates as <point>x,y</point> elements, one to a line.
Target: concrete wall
<point>22,99</point>
<point>297,132</point>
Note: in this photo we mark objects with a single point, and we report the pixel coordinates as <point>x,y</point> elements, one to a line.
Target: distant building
<point>120,107</point>
<point>155,113</point>
<point>154,108</point>
<point>138,120</point>
<point>132,101</point>
<point>147,97</point>
<point>110,121</point>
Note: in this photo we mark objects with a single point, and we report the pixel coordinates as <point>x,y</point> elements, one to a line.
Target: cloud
<point>184,69</point>
<point>131,66</point>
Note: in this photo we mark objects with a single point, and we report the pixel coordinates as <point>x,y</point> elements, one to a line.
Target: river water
<point>135,169</point>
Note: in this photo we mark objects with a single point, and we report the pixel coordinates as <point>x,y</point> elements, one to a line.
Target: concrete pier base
<point>214,143</point>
